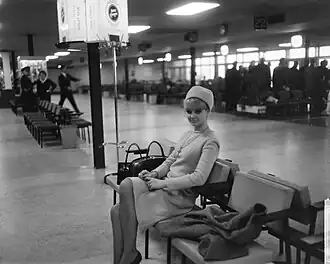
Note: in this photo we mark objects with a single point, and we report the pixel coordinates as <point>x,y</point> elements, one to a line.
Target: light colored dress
<point>189,165</point>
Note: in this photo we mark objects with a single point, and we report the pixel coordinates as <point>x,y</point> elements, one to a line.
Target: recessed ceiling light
<point>182,57</point>
<point>285,45</point>
<point>137,29</point>
<point>74,50</point>
<point>192,9</point>
<point>249,49</point>
<point>161,59</point>
<point>62,53</point>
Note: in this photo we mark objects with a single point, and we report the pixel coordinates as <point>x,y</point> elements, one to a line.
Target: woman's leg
<point>117,235</point>
<point>128,221</point>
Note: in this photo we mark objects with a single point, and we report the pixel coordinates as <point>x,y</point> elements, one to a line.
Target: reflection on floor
<point>54,206</point>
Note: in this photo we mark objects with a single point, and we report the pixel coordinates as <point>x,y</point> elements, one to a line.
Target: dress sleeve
<point>210,153</point>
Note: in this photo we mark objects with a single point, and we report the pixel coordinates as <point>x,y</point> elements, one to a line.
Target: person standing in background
<point>45,86</point>
<point>64,81</point>
<point>27,97</point>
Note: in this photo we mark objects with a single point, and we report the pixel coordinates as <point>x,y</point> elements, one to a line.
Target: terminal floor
<point>54,206</point>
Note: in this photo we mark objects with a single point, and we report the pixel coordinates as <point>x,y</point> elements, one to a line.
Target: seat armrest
<point>318,206</point>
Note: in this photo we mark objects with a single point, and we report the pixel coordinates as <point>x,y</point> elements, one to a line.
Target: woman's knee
<point>126,186</point>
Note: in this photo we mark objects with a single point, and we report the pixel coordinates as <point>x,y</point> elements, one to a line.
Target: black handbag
<point>149,162</point>
<point>124,167</point>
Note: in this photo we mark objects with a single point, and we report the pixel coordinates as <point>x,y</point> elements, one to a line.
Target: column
<point>96,104</point>
<point>307,46</point>
<point>6,70</point>
<point>193,66</point>
<point>14,66</point>
<point>30,39</point>
<point>216,68</point>
<point>128,97</point>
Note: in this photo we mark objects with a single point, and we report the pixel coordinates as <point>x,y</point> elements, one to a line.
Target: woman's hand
<point>155,184</point>
<point>144,174</point>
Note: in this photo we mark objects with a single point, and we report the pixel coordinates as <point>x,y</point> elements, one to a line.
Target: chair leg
<point>146,244</point>
<point>288,253</point>
<point>183,259</point>
<point>169,248</point>
<point>88,135</point>
<point>298,256</point>
<point>281,244</point>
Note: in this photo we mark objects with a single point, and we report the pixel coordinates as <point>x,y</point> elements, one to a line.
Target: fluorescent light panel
<point>285,45</point>
<point>51,57</point>
<point>192,9</point>
<point>249,49</point>
<point>137,29</point>
<point>148,61</point>
<point>74,50</point>
<point>182,57</point>
<point>62,53</point>
<point>209,54</point>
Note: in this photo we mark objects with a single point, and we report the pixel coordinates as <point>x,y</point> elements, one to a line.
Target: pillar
<point>193,66</point>
<point>128,97</point>
<point>30,40</point>
<point>96,104</point>
<point>6,70</point>
<point>14,68</point>
<point>216,66</point>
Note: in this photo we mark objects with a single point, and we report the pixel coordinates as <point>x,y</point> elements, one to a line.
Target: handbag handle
<point>160,146</point>
<point>128,151</point>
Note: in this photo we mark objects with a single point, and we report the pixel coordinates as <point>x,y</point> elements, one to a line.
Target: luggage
<point>147,162</point>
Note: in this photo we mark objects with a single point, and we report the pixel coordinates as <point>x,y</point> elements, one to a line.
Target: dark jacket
<point>43,87</point>
<point>65,82</point>
<point>27,98</point>
<point>216,229</point>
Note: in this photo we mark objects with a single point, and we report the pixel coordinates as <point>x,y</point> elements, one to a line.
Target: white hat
<point>203,94</point>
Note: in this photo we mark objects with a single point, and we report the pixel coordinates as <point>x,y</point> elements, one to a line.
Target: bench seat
<point>257,253</point>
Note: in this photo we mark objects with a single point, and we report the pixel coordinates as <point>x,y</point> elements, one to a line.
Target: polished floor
<point>54,206</point>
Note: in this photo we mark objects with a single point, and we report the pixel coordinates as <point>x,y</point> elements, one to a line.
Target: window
<point>312,52</point>
<point>231,58</point>
<point>222,71</point>
<point>207,61</point>
<point>274,54</point>
<point>297,53</point>
<point>240,57</point>
<point>248,57</point>
<point>273,65</point>
<point>188,71</point>
<point>198,61</point>
<point>178,63</point>
<point>188,63</point>
<point>324,51</point>
<point>221,60</point>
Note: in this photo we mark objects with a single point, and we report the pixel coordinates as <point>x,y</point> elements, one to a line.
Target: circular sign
<point>113,13</point>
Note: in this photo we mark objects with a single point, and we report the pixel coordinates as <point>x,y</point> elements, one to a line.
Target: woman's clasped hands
<point>150,178</point>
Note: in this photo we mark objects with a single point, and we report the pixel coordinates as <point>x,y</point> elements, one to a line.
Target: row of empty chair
<point>46,123</point>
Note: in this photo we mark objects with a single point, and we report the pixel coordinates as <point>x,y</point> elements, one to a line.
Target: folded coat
<point>221,235</point>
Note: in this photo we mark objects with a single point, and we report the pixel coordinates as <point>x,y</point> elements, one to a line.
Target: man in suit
<point>64,81</point>
<point>27,98</point>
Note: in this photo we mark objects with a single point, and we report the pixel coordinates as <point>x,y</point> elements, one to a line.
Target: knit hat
<point>203,94</point>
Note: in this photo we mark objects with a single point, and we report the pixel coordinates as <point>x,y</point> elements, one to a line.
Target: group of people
<point>29,96</point>
<point>256,82</point>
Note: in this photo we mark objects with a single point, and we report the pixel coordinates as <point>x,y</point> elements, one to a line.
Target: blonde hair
<point>195,99</point>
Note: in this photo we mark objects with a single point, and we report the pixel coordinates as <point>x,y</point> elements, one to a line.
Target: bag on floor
<point>149,162</point>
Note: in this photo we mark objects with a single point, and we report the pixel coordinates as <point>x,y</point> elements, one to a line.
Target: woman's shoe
<point>138,259</point>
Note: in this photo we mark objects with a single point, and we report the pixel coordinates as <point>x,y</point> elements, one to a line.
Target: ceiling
<point>39,17</point>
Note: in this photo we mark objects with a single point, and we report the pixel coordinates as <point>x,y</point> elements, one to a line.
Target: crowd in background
<point>256,85</point>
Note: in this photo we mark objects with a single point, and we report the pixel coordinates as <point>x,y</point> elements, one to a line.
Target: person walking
<point>64,81</point>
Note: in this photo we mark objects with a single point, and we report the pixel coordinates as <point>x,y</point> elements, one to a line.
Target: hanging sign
<point>92,20</point>
<point>71,20</point>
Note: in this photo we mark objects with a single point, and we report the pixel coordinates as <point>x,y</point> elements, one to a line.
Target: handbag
<point>149,162</point>
<point>124,167</point>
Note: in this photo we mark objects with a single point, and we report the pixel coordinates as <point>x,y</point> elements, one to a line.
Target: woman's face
<point>196,112</point>
<point>42,76</point>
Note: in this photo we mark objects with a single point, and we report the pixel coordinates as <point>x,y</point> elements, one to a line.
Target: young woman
<point>166,191</point>
<point>45,86</point>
